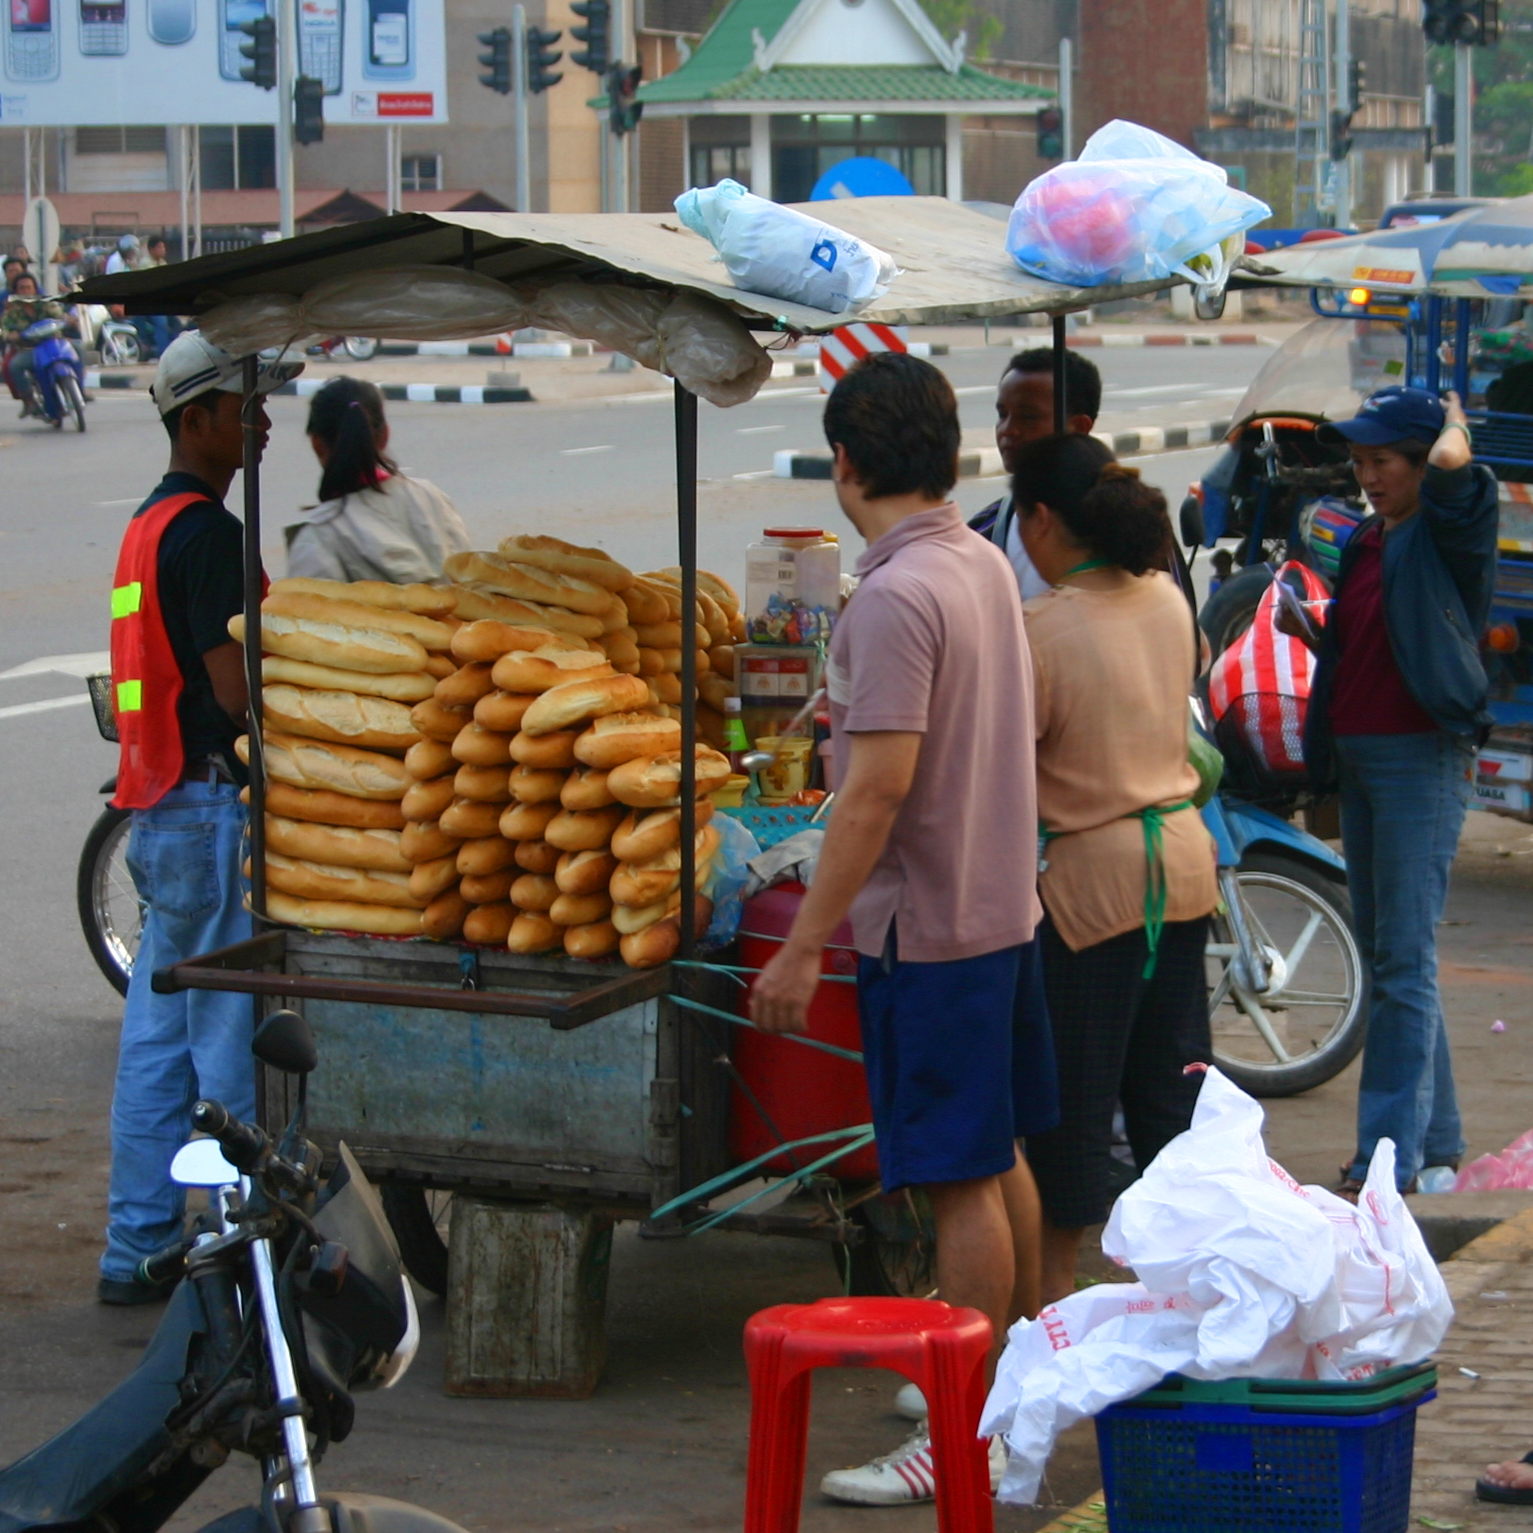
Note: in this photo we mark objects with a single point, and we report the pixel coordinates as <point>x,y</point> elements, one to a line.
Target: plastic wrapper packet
<point>767,248</point>
<point>1243,1273</point>
<point>1135,207</point>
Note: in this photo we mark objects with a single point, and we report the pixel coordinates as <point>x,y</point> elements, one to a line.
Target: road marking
<point>111,505</point>
<point>756,431</point>
<point>575,452</point>
<point>758,473</point>
<point>45,706</point>
<point>1156,388</point>
<point>81,665</point>
<point>975,388</point>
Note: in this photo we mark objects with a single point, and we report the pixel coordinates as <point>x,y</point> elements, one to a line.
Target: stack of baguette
<point>343,665</point>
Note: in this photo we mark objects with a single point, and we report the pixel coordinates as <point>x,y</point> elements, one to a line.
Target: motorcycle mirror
<point>201,1164</point>
<point>285,1042</point>
<point>1191,519</point>
<point>1208,305</point>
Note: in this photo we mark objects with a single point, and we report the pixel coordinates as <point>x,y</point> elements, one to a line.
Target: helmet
<point>128,244</point>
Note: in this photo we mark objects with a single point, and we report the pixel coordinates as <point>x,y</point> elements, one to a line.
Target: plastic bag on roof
<point>1135,207</point>
<point>413,303</point>
<point>767,248</point>
<point>689,337</point>
<point>246,325</point>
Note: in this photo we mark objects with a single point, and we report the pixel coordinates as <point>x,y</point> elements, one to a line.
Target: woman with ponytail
<point>1126,870</point>
<point>372,522</point>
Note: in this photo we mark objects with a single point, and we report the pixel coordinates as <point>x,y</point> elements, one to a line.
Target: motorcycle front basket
<point>101,702</point>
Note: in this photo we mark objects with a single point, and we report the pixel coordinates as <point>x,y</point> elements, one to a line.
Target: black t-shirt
<point>202,585</point>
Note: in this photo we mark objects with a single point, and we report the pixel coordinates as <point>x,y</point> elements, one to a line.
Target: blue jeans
<point>185,857</point>
<point>1403,799</point>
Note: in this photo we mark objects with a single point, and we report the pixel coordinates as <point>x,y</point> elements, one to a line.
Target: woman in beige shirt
<point>1127,868</point>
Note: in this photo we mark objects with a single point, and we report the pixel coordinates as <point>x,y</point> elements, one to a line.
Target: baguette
<point>503,711</point>
<point>308,880</point>
<point>443,918</point>
<point>642,883</point>
<point>433,878</point>
<point>567,559</point>
<point>477,746</point>
<point>488,854</point>
<point>645,602</point>
<point>536,670</point>
<point>486,640</point>
<point>537,856</point>
<point>536,785</point>
<point>470,820</point>
<point>715,691</point>
<point>535,892</point>
<point>555,750</point>
<point>596,940</point>
<point>489,924</point>
<point>587,872</point>
<point>427,800</point>
<point>580,909</point>
<point>585,788</point>
<point>708,583</point>
<point>483,784</point>
<point>343,915</point>
<point>439,667</point>
<point>300,605</point>
<point>321,806</point>
<point>635,918</point>
<point>476,604</point>
<point>572,703</point>
<point>341,768</point>
<point>401,687</point>
<point>425,840</point>
<point>721,659</point>
<point>488,888</point>
<point>654,781</point>
<point>428,759</point>
<point>342,718</point>
<point>653,946</point>
<point>666,688</point>
<point>618,737</point>
<point>327,643</point>
<point>437,722</point>
<point>666,635</point>
<point>622,652</point>
<point>428,601</point>
<point>342,846</point>
<point>711,728</point>
<point>526,822</point>
<point>532,933</point>
<point>579,830</point>
<point>646,834</point>
<point>526,582</point>
<point>465,686</point>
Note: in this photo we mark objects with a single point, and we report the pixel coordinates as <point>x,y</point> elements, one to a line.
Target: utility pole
<point>519,107</point>
<point>1344,107</point>
<point>1463,120</point>
<point>287,59</point>
<point>1066,99</point>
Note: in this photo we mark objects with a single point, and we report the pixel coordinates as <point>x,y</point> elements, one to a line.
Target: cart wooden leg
<point>526,1299</point>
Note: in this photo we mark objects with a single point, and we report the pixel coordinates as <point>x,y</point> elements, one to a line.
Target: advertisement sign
<point>105,63</point>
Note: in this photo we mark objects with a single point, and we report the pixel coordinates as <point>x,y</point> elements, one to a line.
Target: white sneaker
<point>910,1403</point>
<point>902,1478</point>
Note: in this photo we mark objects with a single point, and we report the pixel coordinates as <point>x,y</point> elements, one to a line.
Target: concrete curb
<point>1172,338</point>
<point>408,393</point>
<point>485,349</point>
<point>985,463</point>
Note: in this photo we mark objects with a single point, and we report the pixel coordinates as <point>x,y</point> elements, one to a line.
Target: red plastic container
<point>802,1090</point>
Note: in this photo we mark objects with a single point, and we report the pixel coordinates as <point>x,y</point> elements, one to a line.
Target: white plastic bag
<point>767,248</point>
<point>1135,207</point>
<point>1243,1273</point>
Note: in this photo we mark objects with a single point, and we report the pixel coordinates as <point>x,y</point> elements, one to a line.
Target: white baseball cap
<point>193,365</point>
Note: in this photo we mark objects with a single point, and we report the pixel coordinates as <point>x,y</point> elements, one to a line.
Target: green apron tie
<point>1153,819</point>
<point>1084,565</point>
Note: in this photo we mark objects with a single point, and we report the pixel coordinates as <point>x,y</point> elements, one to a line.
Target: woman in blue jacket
<point>1396,714</point>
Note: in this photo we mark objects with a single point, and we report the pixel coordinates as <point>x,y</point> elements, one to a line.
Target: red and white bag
<point>1258,689</point>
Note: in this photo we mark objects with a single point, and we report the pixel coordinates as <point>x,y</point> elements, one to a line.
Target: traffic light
<point>1356,81</point>
<point>261,50</point>
<point>1475,22</point>
<point>595,34</point>
<point>308,110</point>
<point>541,58</point>
<point>1051,133</point>
<point>623,111</point>
<point>1341,135</point>
<point>497,60</point>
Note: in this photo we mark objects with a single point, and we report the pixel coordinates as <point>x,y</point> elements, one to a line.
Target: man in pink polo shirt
<point>933,849</point>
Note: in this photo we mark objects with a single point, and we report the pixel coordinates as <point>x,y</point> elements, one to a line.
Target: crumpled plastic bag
<point>767,248</point>
<point>1135,207</point>
<point>1510,1168</point>
<point>727,879</point>
<point>1242,1273</point>
<point>792,860</point>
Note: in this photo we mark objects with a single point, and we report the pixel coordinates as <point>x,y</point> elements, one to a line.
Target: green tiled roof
<point>727,50</point>
<point>838,82</point>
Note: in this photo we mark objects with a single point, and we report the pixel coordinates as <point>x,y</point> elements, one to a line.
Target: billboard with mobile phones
<point>104,63</point>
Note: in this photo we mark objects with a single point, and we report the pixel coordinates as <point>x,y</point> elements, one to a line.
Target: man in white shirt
<point>125,257</point>
<point>1024,412</point>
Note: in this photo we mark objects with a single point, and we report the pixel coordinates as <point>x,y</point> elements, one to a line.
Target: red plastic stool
<point>938,1347</point>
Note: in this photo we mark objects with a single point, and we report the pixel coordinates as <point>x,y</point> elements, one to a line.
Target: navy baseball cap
<point>1390,415</point>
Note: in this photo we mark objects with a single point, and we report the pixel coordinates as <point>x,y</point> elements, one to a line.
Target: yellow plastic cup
<point>732,794</point>
<point>788,771</point>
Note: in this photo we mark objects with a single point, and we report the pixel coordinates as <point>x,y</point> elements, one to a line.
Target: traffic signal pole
<point>1463,120</point>
<point>287,57</point>
<point>1066,99</point>
<point>519,108</point>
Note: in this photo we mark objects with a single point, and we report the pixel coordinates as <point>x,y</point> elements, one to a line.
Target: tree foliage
<point>950,17</point>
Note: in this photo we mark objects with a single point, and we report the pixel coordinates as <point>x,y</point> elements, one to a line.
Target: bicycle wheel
<point>897,1255</point>
<point>111,915</point>
<point>420,1218</point>
<point>1309,1025</point>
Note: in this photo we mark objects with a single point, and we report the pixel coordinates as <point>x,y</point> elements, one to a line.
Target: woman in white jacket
<point>372,522</point>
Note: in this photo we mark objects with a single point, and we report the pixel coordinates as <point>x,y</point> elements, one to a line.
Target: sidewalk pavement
<point>1483,1412</point>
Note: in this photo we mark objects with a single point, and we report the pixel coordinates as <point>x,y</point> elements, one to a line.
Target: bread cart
<point>549,1096</point>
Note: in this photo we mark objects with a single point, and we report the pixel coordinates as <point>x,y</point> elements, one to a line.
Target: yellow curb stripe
<point>1089,1517</point>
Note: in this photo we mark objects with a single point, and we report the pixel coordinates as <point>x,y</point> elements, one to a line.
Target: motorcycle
<point>111,913</point>
<point>289,1297</point>
<point>54,384</point>
<point>115,340</point>
<point>359,348</point>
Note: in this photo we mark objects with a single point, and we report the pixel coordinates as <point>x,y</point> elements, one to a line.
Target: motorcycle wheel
<point>897,1255</point>
<point>360,348</point>
<point>420,1218</point>
<point>73,400</point>
<point>1309,1026</point>
<point>111,915</point>
<point>120,350</point>
<point>1232,608</point>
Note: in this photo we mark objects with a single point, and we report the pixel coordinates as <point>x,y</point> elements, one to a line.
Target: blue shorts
<point>960,1062</point>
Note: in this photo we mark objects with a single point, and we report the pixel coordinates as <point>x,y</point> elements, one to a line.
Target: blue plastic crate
<point>770,823</point>
<point>1212,1468</point>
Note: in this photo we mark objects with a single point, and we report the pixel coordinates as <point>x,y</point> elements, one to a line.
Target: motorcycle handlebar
<point>244,1145</point>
